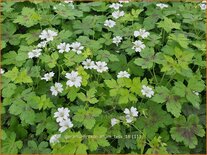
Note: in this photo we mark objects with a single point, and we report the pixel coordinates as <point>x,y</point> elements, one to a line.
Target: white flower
<point>58,88</point>
<point>118,14</point>
<point>117,40</point>
<point>48,76</point>
<point>138,46</point>
<point>130,114</point>
<point>65,124</point>
<point>48,35</point>
<point>123,74</point>
<point>109,23</point>
<point>34,53</point>
<point>147,91</point>
<point>161,5</point>
<point>196,93</point>
<point>101,66</point>
<point>123,1</point>
<point>62,114</point>
<point>114,121</point>
<point>2,71</point>
<point>142,33</point>
<point>42,44</point>
<point>63,47</point>
<point>77,47</point>
<point>55,138</point>
<point>88,64</point>
<point>115,6</point>
<point>203,5</point>
<point>73,79</point>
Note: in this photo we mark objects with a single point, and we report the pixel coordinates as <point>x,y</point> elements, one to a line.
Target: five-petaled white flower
<point>48,76</point>
<point>58,88</point>
<point>130,114</point>
<point>142,33</point>
<point>123,74</point>
<point>76,47</point>
<point>138,46</point>
<point>101,66</point>
<point>63,47</point>
<point>73,79</point>
<point>114,121</point>
<point>65,124</point>
<point>34,53</point>
<point>117,40</point>
<point>2,71</point>
<point>161,5</point>
<point>88,64</point>
<point>147,91</point>
<point>109,23</point>
<point>118,14</point>
<point>42,44</point>
<point>203,5</point>
<point>62,114</point>
<point>115,6</point>
<point>48,35</point>
<point>55,138</point>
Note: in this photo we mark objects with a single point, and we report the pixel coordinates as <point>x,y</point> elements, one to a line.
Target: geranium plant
<point>103,77</point>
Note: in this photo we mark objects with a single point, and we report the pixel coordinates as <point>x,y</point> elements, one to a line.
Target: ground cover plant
<point>103,77</point>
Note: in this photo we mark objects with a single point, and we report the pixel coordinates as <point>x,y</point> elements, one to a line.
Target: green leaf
<point>168,24</point>
<point>45,103</point>
<point>23,77</point>
<point>87,117</point>
<point>10,145</point>
<point>180,38</point>
<point>186,130</point>
<point>147,58</point>
<point>29,17</point>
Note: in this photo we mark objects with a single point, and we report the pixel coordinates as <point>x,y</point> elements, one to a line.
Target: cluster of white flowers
<point>203,5</point>
<point>130,114</point>
<point>139,45</point>
<point>65,47</point>
<point>2,71</point>
<point>99,66</point>
<point>73,79</point>
<point>62,117</point>
<point>48,76</point>
<point>161,5</point>
<point>123,74</point>
<point>34,53</point>
<point>45,36</point>
<point>57,88</point>
<point>147,91</point>
<point>117,40</point>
